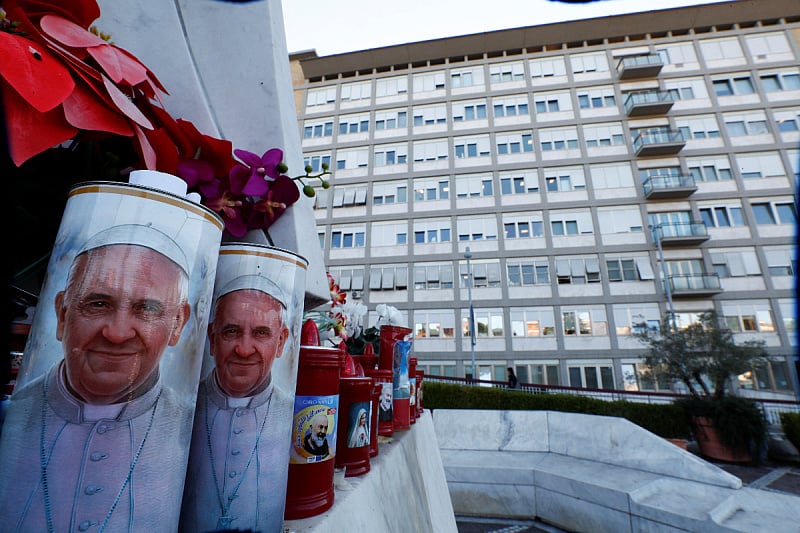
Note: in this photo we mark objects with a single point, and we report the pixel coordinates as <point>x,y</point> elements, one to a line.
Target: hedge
<point>665,420</point>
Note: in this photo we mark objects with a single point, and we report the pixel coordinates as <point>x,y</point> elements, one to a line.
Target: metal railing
<point>668,183</point>
<point>772,409</point>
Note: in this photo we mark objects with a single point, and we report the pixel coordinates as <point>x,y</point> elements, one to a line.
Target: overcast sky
<point>337,26</point>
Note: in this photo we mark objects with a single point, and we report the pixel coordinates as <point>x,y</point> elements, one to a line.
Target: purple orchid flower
<point>252,178</point>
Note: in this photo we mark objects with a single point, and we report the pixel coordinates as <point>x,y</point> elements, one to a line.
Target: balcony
<point>643,66</point>
<point>642,103</point>
<point>694,285</point>
<point>682,234</point>
<point>658,142</point>
<point>661,187</point>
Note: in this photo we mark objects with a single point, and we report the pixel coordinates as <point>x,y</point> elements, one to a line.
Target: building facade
<point>600,172</point>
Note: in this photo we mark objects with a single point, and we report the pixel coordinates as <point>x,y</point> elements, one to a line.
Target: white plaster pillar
<point>226,67</point>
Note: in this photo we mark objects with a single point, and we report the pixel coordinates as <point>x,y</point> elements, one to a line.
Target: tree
<point>703,356</point>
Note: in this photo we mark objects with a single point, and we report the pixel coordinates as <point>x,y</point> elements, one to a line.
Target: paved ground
<point>771,476</point>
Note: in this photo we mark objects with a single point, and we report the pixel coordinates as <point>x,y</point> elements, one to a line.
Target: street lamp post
<point>468,256</point>
<point>655,229</point>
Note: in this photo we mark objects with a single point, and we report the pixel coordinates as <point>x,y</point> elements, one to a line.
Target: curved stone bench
<point>594,473</point>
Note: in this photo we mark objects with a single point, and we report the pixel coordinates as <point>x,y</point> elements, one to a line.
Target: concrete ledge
<point>595,474</point>
<point>405,490</point>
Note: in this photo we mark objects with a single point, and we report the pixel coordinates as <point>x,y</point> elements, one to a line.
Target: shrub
<point>791,427</point>
<point>665,420</point>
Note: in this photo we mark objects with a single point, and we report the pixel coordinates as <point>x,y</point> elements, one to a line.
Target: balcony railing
<point>658,187</point>
<point>682,233</point>
<point>693,285</point>
<point>659,142</point>
<point>641,66</point>
<point>642,103</point>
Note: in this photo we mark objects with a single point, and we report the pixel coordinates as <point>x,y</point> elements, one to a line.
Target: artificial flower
<point>252,177</point>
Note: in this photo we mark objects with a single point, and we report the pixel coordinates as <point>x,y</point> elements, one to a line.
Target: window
<point>709,168</point>
<point>538,374</point>
<point>469,110</point>
<point>596,98</point>
<point>356,91</point>
<point>746,124</point>
<point>768,46</point>
<point>389,193</point>
<point>431,231</point>
<point>390,119</point>
<point>322,198</point>
<point>564,179</point>
<point>433,81</point>
<point>388,278</point>
<point>431,189</point>
<point>760,165</point>
<point>466,77</point>
<point>349,196</point>
<point>514,143</point>
<point>748,316</point>
<point>788,309</point>
<point>699,127</point>
<point>435,150</point>
<point>353,124</point>
<point>391,86</point>
<point>474,185</point>
<point>630,318</point>
<point>602,135</point>
<point>506,72</point>
<point>787,121</point>
<point>488,323</point>
<point>433,276</point>
<point>353,158</point>
<point>622,270</point>
<point>549,67</point>
<point>679,55</point>
<point>429,115</point>
<point>638,376</point>
<point>781,261</point>
<point>527,272</point>
<point>510,106</point>
<point>589,63</point>
<point>591,377</point>
<point>715,51</point>
<point>349,278</point>
<point>738,85</point>
<point>317,128</point>
<point>347,238</point>
<point>467,147</point>
<point>772,375</point>
<point>551,102</point>
<point>477,228</point>
<point>686,88</point>
<point>519,182</point>
<point>532,322</point>
<point>735,263</point>
<point>781,81</point>
<point>391,154</point>
<point>774,213</point>
<point>558,139</point>
<point>435,324</point>
<point>484,274</point>
<point>388,234</point>
<point>574,222</point>
<point>323,96</point>
<point>722,216</point>
<point>577,271</point>
<point>523,226</point>
<point>584,321</point>
<point>316,161</point>
<point>611,176</point>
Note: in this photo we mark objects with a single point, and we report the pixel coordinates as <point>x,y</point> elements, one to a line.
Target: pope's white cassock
<point>236,469</point>
<point>79,467</point>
